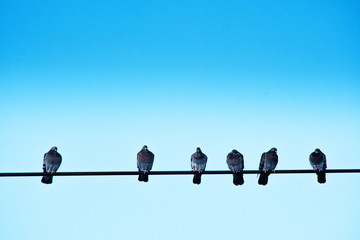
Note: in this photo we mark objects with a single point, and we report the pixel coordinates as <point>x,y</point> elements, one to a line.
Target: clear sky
<point>99,79</point>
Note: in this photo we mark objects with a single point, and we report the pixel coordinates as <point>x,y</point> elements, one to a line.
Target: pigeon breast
<point>198,162</point>
<point>145,160</point>
<point>317,160</point>
<point>235,162</point>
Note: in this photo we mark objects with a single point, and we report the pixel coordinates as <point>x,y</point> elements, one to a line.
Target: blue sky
<point>101,79</point>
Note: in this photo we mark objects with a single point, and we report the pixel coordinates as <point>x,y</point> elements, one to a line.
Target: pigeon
<point>318,162</point>
<point>268,163</point>
<point>145,160</point>
<point>52,161</point>
<point>235,162</point>
<point>198,165</point>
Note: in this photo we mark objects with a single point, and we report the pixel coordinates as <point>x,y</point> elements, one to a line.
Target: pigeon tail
<point>197,178</point>
<point>143,177</point>
<point>47,179</point>
<point>321,177</point>
<point>238,178</point>
<point>263,179</point>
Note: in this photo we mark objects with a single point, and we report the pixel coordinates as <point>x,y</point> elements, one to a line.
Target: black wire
<point>117,173</point>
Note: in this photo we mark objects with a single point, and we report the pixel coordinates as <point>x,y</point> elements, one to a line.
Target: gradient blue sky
<point>99,79</point>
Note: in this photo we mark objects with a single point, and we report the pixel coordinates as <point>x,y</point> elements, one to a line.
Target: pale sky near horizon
<point>101,79</point>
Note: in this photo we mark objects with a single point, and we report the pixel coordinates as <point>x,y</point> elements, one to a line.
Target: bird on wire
<point>198,165</point>
<point>318,162</point>
<point>145,160</point>
<point>268,163</point>
<point>51,163</point>
<point>235,162</point>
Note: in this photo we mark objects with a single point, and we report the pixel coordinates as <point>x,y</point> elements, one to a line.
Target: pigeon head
<point>199,153</point>
<point>234,151</point>
<point>317,150</point>
<point>233,154</point>
<point>54,149</point>
<point>273,150</point>
<point>144,148</point>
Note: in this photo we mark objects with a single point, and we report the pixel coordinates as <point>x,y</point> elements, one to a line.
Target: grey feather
<point>318,162</point>
<point>235,162</point>
<point>198,164</point>
<point>145,161</point>
<point>51,163</point>
<point>267,164</point>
